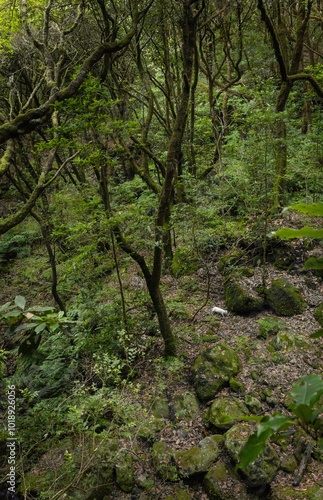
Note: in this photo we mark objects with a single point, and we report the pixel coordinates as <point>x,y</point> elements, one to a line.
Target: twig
<point>302,466</point>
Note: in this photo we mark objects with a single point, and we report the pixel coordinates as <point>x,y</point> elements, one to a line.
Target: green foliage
<point>316,263</point>
<point>306,392</point>
<point>27,326</point>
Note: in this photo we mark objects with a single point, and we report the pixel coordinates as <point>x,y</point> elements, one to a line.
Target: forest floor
<point>263,371</point>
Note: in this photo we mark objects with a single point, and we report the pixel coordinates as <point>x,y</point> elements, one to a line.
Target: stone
<point>214,368</point>
<point>124,472</point>
<point>318,314</point>
<point>163,460</point>
<point>289,493</point>
<point>224,412</point>
<point>260,472</point>
<point>199,458</point>
<point>185,406</point>
<point>240,300</point>
<point>222,483</point>
<point>284,298</point>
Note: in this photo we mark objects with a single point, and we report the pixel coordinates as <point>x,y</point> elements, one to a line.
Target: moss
<point>198,458</point>
<point>290,493</point>
<point>224,412</point>
<point>124,472</point>
<point>163,460</point>
<point>270,326</point>
<point>222,483</point>
<point>213,369</point>
<point>318,314</point>
<point>240,300</point>
<point>185,262</point>
<point>284,298</point>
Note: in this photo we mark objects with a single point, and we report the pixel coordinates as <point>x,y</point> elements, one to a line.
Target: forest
<point>161,241</point>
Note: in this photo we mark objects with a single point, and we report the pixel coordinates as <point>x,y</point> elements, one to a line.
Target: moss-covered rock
<point>318,314</point>
<point>260,472</point>
<point>124,472</point>
<point>284,298</point>
<point>239,299</point>
<point>163,460</point>
<point>253,403</point>
<point>160,407</point>
<point>213,368</point>
<point>198,458</point>
<point>290,493</point>
<point>185,262</point>
<point>224,412</point>
<point>185,406</point>
<point>287,341</point>
<point>222,483</point>
<point>270,326</point>
<point>149,427</point>
<point>229,261</point>
<point>179,493</point>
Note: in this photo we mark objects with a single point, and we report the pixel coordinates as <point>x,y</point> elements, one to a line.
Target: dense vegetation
<point>141,143</point>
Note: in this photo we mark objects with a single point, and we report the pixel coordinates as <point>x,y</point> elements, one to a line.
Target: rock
<point>124,472</point>
<point>179,493</point>
<point>290,493</point>
<point>185,406</point>
<point>149,427</point>
<point>198,458</point>
<point>240,300</point>
<point>224,412</point>
<point>270,326</point>
<point>160,407</point>
<point>212,369</point>
<point>222,483</point>
<point>284,298</point>
<point>163,460</point>
<point>287,341</point>
<point>318,314</point>
<point>253,404</point>
<point>260,472</point>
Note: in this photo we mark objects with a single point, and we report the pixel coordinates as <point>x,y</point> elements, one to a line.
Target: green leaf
<point>253,447</point>
<point>12,314</point>
<point>305,232</point>
<point>274,423</point>
<point>5,306</point>
<point>20,301</point>
<point>320,444</point>
<point>304,412</point>
<point>40,328</point>
<point>315,209</point>
<point>307,390</point>
<point>317,334</point>
<point>314,263</point>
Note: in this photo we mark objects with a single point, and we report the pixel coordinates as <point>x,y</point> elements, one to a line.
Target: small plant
<point>306,393</point>
<point>28,325</point>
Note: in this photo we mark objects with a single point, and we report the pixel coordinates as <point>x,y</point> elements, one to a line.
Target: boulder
<point>284,298</point>
<point>214,368</point>
<point>163,460</point>
<point>199,458</point>
<point>222,483</point>
<point>224,412</point>
<point>318,314</point>
<point>260,472</point>
<point>185,406</point>
<point>239,299</point>
<point>124,472</point>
